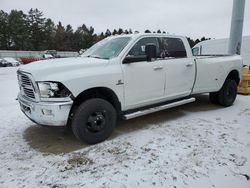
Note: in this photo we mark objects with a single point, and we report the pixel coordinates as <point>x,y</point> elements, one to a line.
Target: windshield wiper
<point>95,56</point>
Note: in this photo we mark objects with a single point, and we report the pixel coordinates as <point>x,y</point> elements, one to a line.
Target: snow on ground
<point>196,145</point>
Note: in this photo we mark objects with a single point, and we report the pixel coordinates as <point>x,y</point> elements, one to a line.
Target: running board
<point>158,108</point>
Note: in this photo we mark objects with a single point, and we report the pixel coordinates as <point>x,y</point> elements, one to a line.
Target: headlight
<point>52,90</point>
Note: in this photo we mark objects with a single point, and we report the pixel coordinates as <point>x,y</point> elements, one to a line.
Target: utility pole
<point>235,38</point>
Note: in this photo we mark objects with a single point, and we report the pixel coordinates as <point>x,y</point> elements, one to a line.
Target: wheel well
<point>234,75</point>
<point>98,92</point>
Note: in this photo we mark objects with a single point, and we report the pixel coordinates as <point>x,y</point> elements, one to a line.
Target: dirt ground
<point>56,140</point>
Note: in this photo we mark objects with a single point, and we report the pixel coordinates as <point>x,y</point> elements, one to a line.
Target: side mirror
<point>150,51</point>
<point>134,59</point>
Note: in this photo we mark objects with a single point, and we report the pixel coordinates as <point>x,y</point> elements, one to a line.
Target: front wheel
<point>94,121</point>
<point>228,93</point>
<point>214,97</point>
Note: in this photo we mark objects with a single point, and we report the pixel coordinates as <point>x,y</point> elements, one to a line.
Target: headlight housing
<point>52,90</point>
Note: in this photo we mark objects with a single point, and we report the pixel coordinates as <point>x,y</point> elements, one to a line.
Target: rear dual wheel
<point>227,94</point>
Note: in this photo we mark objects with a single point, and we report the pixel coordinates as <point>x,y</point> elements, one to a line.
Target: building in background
<point>220,46</point>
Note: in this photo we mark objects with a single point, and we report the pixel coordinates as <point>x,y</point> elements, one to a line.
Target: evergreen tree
<point>18,30</point>
<point>126,32</point>
<point>114,32</point>
<point>120,31</point>
<point>78,40</point>
<point>49,31</point>
<point>60,37</point>
<point>4,31</point>
<point>191,42</point>
<point>197,41</point>
<point>89,36</point>
<point>69,38</point>
<point>36,28</point>
<point>101,36</point>
<point>84,37</point>
<point>203,38</point>
<point>107,33</point>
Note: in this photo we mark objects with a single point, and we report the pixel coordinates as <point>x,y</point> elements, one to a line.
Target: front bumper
<point>46,113</point>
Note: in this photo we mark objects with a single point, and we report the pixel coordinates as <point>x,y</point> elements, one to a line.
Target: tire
<point>228,93</point>
<point>214,97</point>
<point>94,121</point>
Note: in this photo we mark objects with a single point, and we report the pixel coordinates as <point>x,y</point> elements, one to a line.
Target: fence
<point>18,54</point>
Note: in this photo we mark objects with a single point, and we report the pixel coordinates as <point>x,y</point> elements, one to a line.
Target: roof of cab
<point>137,35</point>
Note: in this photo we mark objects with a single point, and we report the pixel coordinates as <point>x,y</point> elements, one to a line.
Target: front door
<point>144,81</point>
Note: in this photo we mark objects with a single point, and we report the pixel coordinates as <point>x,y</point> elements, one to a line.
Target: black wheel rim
<point>96,121</point>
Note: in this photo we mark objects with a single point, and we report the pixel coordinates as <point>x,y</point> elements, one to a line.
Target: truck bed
<point>212,70</point>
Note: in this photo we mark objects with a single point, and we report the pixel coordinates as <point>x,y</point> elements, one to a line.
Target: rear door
<point>180,69</point>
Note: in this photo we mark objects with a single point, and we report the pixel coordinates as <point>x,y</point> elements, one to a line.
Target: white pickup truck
<point>123,77</point>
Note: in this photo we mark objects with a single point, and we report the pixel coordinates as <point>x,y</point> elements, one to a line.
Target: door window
<point>195,51</point>
<point>139,48</point>
<point>172,47</point>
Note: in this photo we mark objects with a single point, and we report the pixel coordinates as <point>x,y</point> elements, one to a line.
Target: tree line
<point>32,31</point>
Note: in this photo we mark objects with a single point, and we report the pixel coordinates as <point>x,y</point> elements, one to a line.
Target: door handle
<point>189,65</point>
<point>158,67</point>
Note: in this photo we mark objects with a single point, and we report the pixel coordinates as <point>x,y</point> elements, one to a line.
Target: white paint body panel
<point>142,84</point>
<point>212,72</point>
<point>180,76</point>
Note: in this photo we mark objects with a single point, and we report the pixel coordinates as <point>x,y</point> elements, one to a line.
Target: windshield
<point>107,48</point>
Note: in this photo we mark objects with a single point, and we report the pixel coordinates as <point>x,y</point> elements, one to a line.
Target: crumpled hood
<point>46,70</point>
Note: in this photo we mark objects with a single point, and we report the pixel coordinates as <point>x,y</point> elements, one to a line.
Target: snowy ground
<point>196,145</point>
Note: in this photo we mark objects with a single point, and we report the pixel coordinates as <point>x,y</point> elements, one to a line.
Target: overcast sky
<point>195,18</point>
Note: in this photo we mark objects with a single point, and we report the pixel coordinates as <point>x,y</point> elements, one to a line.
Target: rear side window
<point>139,48</point>
<point>172,47</point>
<point>195,51</point>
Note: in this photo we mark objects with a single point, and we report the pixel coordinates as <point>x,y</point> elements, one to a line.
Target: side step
<point>158,108</point>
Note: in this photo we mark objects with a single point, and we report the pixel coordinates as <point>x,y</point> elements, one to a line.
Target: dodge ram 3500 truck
<point>125,77</point>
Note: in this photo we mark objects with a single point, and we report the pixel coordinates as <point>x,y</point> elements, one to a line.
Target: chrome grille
<point>25,80</point>
<point>26,85</point>
<point>29,92</point>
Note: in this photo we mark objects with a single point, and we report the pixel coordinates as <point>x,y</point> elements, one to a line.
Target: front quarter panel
<point>103,76</point>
